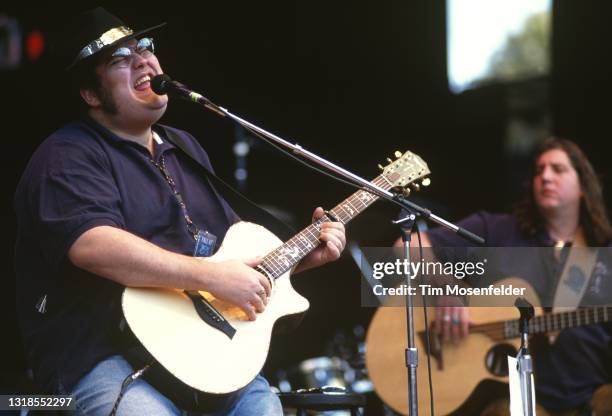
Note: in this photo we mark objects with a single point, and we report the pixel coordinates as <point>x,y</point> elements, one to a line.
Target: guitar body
<point>456,369</point>
<point>166,323</point>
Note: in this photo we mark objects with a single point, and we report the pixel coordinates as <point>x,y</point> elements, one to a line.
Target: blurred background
<point>469,85</point>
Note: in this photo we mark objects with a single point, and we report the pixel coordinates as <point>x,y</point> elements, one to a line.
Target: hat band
<point>108,37</point>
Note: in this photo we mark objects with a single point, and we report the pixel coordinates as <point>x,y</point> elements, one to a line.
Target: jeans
<point>96,392</point>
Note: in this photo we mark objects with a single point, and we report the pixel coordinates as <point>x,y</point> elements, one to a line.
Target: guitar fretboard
<point>279,261</point>
<point>550,322</point>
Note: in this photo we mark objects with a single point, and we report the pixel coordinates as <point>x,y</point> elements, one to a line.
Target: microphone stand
<point>411,207</point>
<point>349,176</point>
<point>411,358</point>
<point>525,363</point>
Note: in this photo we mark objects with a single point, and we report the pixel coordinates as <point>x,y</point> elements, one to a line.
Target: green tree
<point>525,53</point>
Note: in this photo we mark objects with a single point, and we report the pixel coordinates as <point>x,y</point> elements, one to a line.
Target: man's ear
<point>90,97</point>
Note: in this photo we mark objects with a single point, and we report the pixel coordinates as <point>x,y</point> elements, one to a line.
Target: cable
<point>126,383</point>
<point>427,342</point>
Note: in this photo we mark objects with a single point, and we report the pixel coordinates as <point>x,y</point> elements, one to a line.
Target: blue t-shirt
<point>568,372</point>
<point>81,177</point>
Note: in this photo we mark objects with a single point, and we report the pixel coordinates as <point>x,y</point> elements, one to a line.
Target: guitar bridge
<point>209,314</point>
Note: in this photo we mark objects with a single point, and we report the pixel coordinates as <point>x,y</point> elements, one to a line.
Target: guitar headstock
<point>407,171</point>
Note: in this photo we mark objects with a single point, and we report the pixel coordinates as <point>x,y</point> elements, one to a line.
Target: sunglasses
<point>144,48</point>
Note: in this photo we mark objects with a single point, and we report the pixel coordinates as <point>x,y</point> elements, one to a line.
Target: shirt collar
<point>108,134</point>
<point>542,238</point>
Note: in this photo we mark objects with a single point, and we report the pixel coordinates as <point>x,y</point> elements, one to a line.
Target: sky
<point>477,29</point>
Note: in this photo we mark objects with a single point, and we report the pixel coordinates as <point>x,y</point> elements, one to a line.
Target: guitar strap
<point>246,208</point>
<point>576,275</point>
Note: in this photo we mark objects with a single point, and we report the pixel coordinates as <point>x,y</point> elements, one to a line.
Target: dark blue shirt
<point>580,360</point>
<point>81,177</point>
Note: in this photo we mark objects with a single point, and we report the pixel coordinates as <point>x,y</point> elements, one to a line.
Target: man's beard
<point>107,103</point>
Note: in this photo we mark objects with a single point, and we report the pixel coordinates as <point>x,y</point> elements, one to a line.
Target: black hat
<point>93,32</point>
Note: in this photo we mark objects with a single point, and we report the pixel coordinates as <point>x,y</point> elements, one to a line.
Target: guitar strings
<point>509,329</point>
<point>279,267</point>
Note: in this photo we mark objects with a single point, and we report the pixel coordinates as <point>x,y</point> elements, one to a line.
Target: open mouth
<point>142,83</point>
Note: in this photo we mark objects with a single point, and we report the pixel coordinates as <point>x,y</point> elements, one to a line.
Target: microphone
<point>159,83</point>
<point>162,84</point>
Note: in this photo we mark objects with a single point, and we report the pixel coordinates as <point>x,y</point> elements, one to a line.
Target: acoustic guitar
<point>457,368</point>
<point>211,345</point>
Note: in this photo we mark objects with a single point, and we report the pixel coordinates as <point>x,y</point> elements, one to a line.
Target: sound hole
<point>496,359</point>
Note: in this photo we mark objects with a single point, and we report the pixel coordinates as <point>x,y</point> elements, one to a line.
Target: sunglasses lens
<point>122,52</point>
<point>145,44</point>
<point>144,47</point>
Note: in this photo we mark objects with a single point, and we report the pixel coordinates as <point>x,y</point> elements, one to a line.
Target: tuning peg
<point>426,182</point>
<point>416,186</point>
<point>389,160</point>
<point>406,192</point>
<point>380,167</point>
<point>398,154</point>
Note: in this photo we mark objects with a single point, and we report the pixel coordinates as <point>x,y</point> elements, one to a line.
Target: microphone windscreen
<point>160,84</point>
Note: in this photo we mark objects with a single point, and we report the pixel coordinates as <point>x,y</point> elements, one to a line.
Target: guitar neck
<point>282,259</point>
<point>561,320</point>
